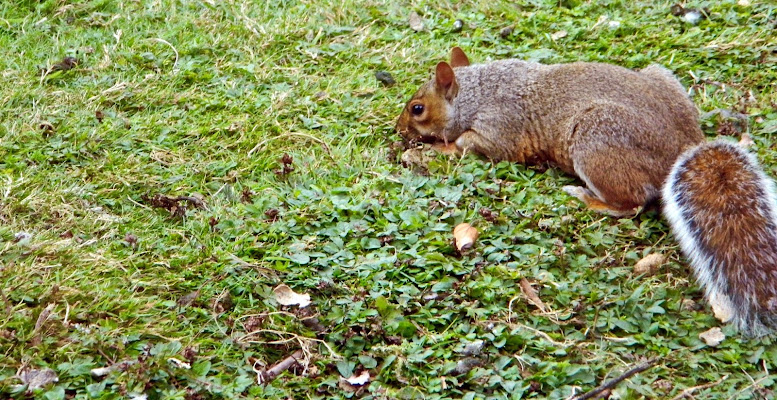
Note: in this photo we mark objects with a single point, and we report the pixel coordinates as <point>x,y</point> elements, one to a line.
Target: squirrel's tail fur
<point>723,211</point>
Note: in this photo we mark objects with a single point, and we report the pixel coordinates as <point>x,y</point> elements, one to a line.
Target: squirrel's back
<point>722,209</point>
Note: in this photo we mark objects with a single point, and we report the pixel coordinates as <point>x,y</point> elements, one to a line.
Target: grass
<point>203,98</point>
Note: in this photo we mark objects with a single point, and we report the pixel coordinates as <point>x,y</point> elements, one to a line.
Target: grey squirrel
<point>633,138</point>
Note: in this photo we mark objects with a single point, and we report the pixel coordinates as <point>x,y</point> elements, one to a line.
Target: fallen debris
<point>458,25</point>
<point>415,22</point>
<point>287,297</point>
<point>416,159</point>
<point>558,35</point>
<point>309,317</point>
<point>689,392</point>
<point>465,365</point>
<point>689,15</point>
<point>385,78</point>
<point>178,363</point>
<point>649,264</point>
<point>172,204</point>
<point>465,236</point>
<point>37,378</point>
<point>287,166</point>
<point>712,337</point>
<point>473,349</point>
<point>612,382</point>
<point>271,373</point>
<point>531,294</point>
<point>358,380</point>
<point>66,64</point>
<point>42,318</point>
<point>721,308</point>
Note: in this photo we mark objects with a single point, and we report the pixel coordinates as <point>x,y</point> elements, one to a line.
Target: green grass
<point>203,98</point>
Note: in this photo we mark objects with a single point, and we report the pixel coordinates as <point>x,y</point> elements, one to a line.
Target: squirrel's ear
<point>446,81</point>
<point>458,58</point>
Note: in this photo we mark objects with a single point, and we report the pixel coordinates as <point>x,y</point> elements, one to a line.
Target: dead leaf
<point>38,378</point>
<point>287,297</point>
<point>66,64</point>
<point>100,372</point>
<point>222,303</point>
<point>172,205</point>
<point>465,365</point>
<point>721,307</point>
<point>42,318</point>
<point>178,363</point>
<point>465,235</point>
<point>309,318</point>
<point>649,264</point>
<point>746,141</point>
<point>558,35</point>
<point>416,159</point>
<point>415,22</point>
<point>188,299</point>
<point>360,380</point>
<point>385,78</point>
<point>712,337</point>
<point>473,348</point>
<point>531,294</point>
<point>21,236</point>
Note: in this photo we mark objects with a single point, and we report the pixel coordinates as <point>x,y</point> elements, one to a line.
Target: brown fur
<point>732,225</point>
<point>723,212</point>
<point>618,130</point>
<point>624,133</point>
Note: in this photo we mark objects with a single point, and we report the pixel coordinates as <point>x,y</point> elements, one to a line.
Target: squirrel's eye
<point>417,109</point>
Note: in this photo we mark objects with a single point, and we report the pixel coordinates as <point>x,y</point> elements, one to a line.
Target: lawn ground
<point>267,119</point>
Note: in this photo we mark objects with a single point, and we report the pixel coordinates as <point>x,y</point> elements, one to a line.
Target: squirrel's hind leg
<point>594,203</point>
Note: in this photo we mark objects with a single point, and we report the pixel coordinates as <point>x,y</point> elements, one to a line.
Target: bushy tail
<point>723,211</point>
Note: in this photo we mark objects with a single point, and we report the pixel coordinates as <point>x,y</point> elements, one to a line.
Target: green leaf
<point>345,368</point>
<point>55,393</point>
<point>201,368</point>
<point>368,362</point>
<point>299,258</point>
<point>382,305</point>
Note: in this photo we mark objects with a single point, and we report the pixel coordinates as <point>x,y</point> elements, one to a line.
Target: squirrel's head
<point>426,115</point>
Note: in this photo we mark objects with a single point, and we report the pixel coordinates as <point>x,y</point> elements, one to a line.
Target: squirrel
<point>633,138</point>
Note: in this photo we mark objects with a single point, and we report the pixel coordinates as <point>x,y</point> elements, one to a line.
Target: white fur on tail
<point>754,265</point>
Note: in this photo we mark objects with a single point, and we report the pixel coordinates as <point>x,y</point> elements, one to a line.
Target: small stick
<point>612,382</point>
<point>305,135</point>
<point>689,391</point>
<point>263,377</point>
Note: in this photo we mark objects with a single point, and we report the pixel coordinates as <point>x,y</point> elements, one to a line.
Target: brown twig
<point>305,135</point>
<point>612,382</point>
<point>271,373</point>
<point>689,391</point>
